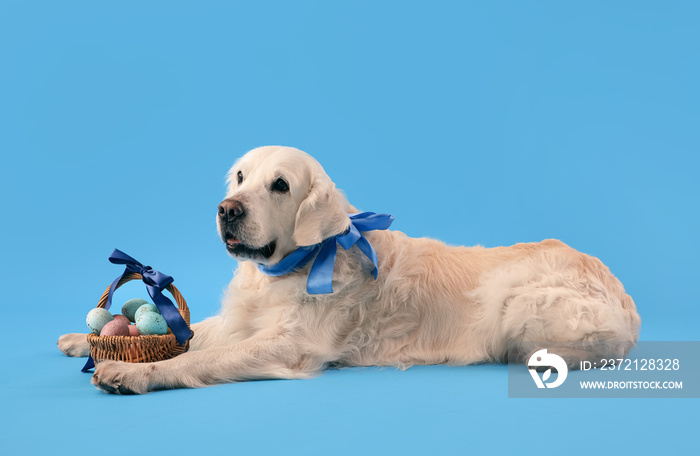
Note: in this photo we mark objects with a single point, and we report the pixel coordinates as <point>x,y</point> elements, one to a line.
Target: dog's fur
<point>431,303</point>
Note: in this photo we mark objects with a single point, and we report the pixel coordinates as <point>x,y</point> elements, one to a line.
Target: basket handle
<point>155,282</point>
<point>181,303</point>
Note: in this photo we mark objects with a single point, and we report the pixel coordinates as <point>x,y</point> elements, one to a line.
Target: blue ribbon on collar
<point>320,279</point>
<point>155,282</point>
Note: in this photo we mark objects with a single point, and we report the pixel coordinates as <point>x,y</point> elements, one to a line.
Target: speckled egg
<point>129,308</point>
<point>122,318</point>
<point>145,308</point>
<point>150,323</point>
<point>115,328</point>
<point>133,331</point>
<point>97,318</point>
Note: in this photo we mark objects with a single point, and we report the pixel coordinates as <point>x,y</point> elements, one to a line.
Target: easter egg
<point>122,318</point>
<point>151,323</point>
<point>130,306</point>
<point>145,308</point>
<point>97,318</point>
<point>115,328</point>
<point>133,331</point>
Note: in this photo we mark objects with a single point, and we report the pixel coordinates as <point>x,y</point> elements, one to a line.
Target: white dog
<point>430,303</point>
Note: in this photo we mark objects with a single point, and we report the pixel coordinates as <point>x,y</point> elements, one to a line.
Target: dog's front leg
<point>74,344</point>
<point>254,358</point>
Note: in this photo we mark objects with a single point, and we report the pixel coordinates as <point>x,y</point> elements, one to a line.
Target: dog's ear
<point>322,214</point>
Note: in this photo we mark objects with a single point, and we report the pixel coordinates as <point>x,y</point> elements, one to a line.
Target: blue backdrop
<point>473,123</point>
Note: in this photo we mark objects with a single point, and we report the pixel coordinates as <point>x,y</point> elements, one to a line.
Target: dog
<point>429,303</point>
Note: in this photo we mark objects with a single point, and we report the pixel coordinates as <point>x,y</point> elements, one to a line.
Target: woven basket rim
<point>132,338</point>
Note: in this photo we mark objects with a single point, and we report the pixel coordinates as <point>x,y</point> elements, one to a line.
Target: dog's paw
<point>118,377</point>
<point>74,345</point>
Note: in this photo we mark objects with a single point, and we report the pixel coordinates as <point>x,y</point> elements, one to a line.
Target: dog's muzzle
<point>231,211</point>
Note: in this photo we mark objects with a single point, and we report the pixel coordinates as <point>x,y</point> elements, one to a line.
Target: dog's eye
<point>240,177</point>
<point>280,185</point>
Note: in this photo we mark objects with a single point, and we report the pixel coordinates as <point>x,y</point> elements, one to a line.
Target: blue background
<point>473,123</point>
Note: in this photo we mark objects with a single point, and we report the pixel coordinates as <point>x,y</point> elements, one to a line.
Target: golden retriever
<point>430,303</point>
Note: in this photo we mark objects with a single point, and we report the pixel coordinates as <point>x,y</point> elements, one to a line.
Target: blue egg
<point>129,308</point>
<point>151,323</point>
<point>97,318</point>
<point>148,307</point>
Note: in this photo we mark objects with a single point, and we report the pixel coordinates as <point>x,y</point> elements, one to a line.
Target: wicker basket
<point>139,349</point>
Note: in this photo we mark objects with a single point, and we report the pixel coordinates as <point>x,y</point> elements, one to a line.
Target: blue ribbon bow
<point>320,279</point>
<point>155,282</point>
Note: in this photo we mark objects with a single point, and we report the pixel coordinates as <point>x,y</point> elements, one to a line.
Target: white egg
<point>97,318</point>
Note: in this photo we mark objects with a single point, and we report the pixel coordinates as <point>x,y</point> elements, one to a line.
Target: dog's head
<point>279,198</point>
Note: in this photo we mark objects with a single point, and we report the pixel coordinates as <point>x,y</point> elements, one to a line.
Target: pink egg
<point>115,328</point>
<point>121,317</point>
<point>133,331</point>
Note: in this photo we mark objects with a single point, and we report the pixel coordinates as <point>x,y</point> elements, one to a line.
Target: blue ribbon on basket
<point>320,279</point>
<point>155,282</point>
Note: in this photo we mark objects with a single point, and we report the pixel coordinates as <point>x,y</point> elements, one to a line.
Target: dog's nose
<point>230,209</point>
